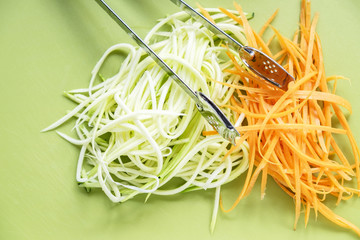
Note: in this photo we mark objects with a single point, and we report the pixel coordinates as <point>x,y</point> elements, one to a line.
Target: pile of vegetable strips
<point>139,132</point>
<point>291,134</point>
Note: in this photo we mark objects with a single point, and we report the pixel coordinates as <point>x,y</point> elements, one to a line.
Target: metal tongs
<point>257,61</point>
<point>254,59</point>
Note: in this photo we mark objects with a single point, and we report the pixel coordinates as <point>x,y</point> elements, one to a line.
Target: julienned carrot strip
<point>279,55</point>
<point>268,22</point>
<point>339,153</point>
<point>335,79</point>
<point>289,49</point>
<point>270,40</point>
<point>239,141</point>
<point>232,16</point>
<point>301,94</point>
<point>205,13</point>
<point>353,143</point>
<point>283,127</point>
<point>262,45</point>
<point>249,32</point>
<point>290,134</point>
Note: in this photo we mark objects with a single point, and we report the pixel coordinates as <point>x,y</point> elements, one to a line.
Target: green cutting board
<point>48,46</point>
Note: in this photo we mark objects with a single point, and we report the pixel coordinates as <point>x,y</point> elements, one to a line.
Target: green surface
<point>48,46</point>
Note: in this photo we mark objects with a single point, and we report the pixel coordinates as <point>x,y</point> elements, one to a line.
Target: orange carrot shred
<point>205,13</point>
<point>291,134</point>
<point>268,22</point>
